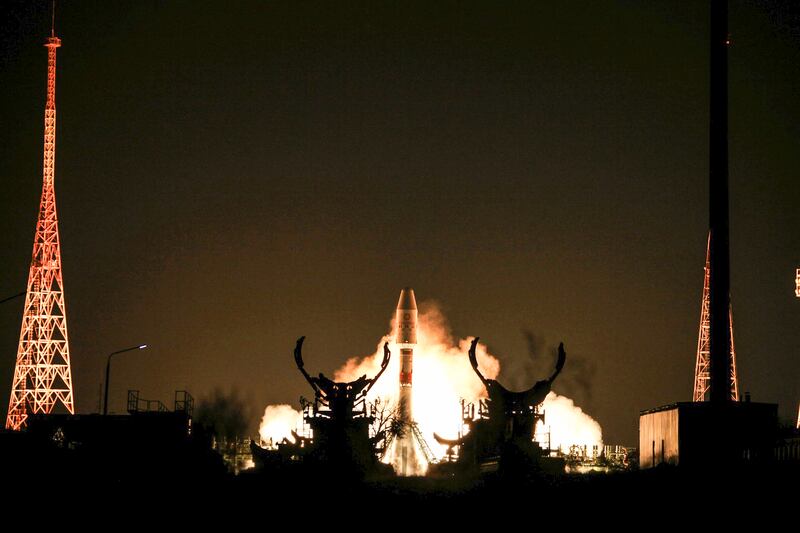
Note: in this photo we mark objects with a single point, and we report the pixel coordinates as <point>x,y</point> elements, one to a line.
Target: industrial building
<point>717,429</point>
<point>694,434</point>
<point>151,442</point>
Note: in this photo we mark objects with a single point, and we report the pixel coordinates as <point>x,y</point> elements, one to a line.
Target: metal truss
<point>702,369</point>
<point>42,376</point>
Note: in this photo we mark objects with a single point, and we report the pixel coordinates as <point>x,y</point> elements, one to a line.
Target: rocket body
<point>406,462</point>
<point>406,335</point>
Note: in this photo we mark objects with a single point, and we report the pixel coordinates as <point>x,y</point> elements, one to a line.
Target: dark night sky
<point>232,175</point>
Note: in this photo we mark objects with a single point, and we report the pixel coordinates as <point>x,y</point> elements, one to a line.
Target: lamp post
<point>108,370</point>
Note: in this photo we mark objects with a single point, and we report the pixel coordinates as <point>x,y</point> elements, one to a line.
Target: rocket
<point>406,462</point>
<point>406,339</point>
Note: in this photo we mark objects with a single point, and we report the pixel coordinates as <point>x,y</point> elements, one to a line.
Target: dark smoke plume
<point>223,415</point>
<point>576,381</point>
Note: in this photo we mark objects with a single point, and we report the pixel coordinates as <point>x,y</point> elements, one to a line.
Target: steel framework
<point>42,376</point>
<point>702,369</point>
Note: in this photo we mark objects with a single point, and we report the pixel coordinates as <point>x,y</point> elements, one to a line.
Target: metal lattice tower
<point>42,377</point>
<point>702,369</point>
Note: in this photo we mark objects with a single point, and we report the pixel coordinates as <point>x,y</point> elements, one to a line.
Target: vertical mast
<point>719,279</point>
<point>42,376</point>
<point>702,369</point>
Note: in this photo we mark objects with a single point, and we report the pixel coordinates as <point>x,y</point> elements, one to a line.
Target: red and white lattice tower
<point>42,377</point>
<point>702,369</point>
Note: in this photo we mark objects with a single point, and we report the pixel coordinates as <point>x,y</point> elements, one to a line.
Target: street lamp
<point>108,370</point>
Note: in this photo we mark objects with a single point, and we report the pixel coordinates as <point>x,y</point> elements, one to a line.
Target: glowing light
<point>568,425</point>
<point>797,284</point>
<point>43,375</point>
<point>278,423</point>
<point>442,378</point>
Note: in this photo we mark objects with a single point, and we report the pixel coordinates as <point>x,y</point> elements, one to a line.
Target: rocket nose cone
<point>407,300</point>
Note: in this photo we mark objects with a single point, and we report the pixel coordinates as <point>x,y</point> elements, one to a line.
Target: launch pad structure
<point>501,438</point>
<point>340,443</point>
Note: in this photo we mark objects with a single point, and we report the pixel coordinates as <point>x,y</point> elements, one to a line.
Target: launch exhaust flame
<point>442,378</point>
<point>278,423</point>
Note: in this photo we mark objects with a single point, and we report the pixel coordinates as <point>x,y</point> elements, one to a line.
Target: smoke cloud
<point>225,415</point>
<point>575,381</point>
<point>442,378</point>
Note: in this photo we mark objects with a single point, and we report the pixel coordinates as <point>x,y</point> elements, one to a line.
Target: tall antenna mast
<point>42,376</point>
<point>702,368</point>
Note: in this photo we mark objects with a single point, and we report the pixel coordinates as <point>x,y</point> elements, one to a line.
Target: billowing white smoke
<point>569,425</point>
<point>442,377</point>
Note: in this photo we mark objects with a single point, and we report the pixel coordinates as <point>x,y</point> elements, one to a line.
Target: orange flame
<point>442,377</point>
<point>278,423</point>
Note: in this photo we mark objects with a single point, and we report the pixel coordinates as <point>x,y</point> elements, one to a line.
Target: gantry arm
<point>473,360</point>
<point>385,363</point>
<point>562,357</point>
<point>536,394</point>
<point>298,359</point>
<point>448,442</point>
